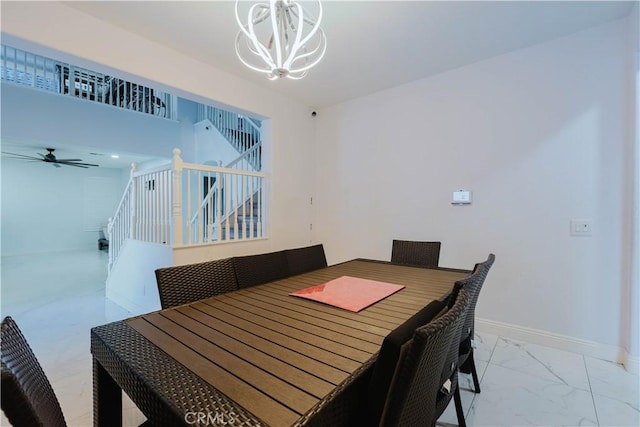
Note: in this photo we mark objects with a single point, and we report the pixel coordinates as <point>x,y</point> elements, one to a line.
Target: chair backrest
<point>473,285</point>
<point>391,351</point>
<point>183,284</point>
<point>254,270</point>
<point>415,396</point>
<point>302,260</point>
<point>418,254</point>
<point>480,272</point>
<point>27,396</point>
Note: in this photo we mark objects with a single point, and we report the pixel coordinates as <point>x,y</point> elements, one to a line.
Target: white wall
<point>132,281</point>
<point>210,146</point>
<point>89,42</point>
<point>45,208</point>
<point>633,178</point>
<point>33,115</point>
<point>538,135</point>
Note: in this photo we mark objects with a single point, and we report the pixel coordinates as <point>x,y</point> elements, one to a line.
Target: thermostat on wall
<point>461,197</point>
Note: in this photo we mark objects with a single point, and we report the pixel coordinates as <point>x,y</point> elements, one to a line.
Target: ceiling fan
<point>51,158</point>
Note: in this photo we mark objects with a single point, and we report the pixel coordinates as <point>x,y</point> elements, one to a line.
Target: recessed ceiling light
<point>115,156</point>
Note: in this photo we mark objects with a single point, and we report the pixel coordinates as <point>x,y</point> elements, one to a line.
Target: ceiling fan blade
<point>55,165</point>
<point>82,165</point>
<point>22,156</point>
<point>68,160</point>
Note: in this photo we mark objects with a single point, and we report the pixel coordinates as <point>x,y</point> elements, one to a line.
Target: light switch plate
<point>581,227</point>
<point>461,197</point>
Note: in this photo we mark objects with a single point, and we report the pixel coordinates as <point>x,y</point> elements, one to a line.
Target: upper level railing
<point>42,73</point>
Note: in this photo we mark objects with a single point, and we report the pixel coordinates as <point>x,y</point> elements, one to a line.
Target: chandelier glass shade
<point>280,38</point>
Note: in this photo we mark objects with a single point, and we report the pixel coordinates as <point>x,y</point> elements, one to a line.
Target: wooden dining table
<point>256,356</point>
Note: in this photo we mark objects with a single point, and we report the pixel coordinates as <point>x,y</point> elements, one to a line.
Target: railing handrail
<point>247,153</point>
<point>250,121</point>
<point>239,130</point>
<point>125,194</point>
<point>214,187</point>
<point>205,200</point>
<point>207,168</point>
<point>154,169</point>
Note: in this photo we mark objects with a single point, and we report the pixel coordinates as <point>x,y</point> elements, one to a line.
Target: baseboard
<point>632,363</point>
<point>562,342</point>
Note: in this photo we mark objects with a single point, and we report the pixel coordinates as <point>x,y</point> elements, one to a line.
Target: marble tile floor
<point>56,298</point>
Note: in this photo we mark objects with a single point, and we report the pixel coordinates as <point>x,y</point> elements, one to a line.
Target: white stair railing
<point>242,132</point>
<point>119,228</point>
<point>223,204</point>
<point>218,203</point>
<point>144,212</point>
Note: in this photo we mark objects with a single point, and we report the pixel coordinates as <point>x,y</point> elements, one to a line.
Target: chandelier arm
<point>322,45</point>
<point>292,77</point>
<point>296,43</point>
<point>253,67</point>
<point>277,35</point>
<point>243,28</point>
<point>306,20</point>
<point>259,47</point>
<point>315,25</point>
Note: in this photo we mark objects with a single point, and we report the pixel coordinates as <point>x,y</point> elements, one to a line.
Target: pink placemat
<point>350,293</point>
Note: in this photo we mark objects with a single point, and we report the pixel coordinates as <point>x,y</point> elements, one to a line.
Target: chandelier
<point>287,44</point>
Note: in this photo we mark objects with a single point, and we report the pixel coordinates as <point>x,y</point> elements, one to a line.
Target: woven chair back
<point>27,396</point>
<point>417,254</point>
<point>183,284</point>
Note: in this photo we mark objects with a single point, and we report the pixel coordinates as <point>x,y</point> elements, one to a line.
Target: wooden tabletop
<point>276,355</point>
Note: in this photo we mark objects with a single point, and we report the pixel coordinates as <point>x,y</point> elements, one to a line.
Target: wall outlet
<point>581,227</point>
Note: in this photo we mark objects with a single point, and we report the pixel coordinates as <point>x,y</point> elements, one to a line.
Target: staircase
<point>184,204</point>
<point>242,132</point>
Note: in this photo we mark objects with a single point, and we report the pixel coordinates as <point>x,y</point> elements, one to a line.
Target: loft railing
<point>27,69</point>
<point>242,132</point>
<point>227,204</point>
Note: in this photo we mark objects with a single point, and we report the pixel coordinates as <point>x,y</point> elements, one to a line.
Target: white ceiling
<point>372,45</point>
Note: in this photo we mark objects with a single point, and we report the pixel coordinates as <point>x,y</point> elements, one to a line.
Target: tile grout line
<point>482,377</point>
<point>593,400</point>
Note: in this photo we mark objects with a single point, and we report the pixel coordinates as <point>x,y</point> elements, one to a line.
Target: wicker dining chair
<point>27,396</point>
<point>425,379</point>
<point>389,356</point>
<point>302,260</point>
<point>254,270</point>
<point>416,254</point>
<point>183,284</point>
<point>473,285</point>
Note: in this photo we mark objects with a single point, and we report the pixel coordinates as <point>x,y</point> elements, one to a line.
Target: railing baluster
<point>200,234</point>
<point>189,226</point>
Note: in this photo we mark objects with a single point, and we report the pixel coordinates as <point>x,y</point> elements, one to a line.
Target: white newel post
<point>111,249</point>
<point>177,198</point>
<point>133,202</point>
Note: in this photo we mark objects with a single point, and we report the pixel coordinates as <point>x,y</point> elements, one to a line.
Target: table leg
<point>107,398</point>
